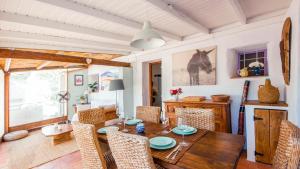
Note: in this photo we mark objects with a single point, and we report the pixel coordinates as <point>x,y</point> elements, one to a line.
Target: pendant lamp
<point>147,38</point>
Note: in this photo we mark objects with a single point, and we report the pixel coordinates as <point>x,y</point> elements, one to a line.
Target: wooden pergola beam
<point>44,64</point>
<point>19,54</point>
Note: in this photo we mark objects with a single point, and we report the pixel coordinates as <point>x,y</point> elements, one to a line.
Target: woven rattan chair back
<point>148,113</point>
<point>92,116</point>
<point>87,141</point>
<point>198,118</point>
<point>130,151</point>
<point>287,153</point>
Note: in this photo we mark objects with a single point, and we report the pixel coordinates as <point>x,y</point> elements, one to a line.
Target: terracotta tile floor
<point>73,161</point>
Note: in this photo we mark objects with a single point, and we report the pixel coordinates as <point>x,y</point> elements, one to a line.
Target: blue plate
<point>161,141</point>
<point>177,130</point>
<point>103,130</point>
<point>173,144</point>
<point>134,121</point>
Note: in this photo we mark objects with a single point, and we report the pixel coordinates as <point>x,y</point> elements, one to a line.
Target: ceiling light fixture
<point>147,38</point>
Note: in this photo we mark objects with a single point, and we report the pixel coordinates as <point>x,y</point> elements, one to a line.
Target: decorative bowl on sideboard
<point>193,98</point>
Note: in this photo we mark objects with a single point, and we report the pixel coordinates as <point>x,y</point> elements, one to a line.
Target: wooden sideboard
<point>221,110</point>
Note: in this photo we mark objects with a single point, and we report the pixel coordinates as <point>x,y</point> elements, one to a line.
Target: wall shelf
<point>233,59</point>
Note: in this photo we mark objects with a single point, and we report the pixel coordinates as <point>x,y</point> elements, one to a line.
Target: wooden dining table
<point>206,150</point>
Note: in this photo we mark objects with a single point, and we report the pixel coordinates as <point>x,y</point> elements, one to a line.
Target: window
<point>246,58</point>
<point>33,96</point>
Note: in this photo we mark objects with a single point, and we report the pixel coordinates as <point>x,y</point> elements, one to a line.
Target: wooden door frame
<point>150,79</point>
<point>6,101</point>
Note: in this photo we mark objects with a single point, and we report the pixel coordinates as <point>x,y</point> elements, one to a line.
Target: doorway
<point>155,84</point>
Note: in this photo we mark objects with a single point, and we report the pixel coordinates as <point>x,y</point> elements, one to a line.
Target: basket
<point>220,98</point>
<point>193,98</point>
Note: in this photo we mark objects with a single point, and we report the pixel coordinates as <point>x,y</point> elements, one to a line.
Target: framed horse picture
<point>194,67</point>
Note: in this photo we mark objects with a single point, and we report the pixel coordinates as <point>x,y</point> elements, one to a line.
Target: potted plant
<point>93,86</point>
<point>176,93</point>
<point>82,99</point>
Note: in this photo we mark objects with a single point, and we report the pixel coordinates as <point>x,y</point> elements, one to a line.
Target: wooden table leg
<point>61,138</point>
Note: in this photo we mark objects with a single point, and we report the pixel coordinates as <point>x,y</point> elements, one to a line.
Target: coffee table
<point>59,134</point>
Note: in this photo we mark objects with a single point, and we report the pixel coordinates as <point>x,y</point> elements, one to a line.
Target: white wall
<point>293,90</point>
<point>76,91</point>
<point>125,98</point>
<point>262,32</point>
<point>1,103</point>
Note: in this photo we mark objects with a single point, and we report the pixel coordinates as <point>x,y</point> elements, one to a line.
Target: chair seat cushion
<point>16,135</point>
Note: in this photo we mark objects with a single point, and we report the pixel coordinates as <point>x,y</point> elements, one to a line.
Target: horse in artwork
<point>199,62</point>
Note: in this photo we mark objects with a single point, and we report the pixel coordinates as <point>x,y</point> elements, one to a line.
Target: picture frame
<point>194,67</point>
<point>78,80</point>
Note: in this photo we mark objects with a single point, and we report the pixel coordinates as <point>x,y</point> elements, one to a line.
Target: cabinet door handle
<point>257,118</point>
<point>258,154</point>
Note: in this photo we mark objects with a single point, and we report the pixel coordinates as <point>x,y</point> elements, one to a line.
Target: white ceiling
<point>108,25</point>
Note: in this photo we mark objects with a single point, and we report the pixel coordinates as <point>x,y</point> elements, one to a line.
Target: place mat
<point>191,139</point>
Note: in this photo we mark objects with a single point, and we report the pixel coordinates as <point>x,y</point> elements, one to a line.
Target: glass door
<point>34,96</point>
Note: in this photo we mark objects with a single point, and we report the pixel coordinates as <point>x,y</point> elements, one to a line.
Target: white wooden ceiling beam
<point>104,15</point>
<point>169,8</point>
<point>28,20</point>
<point>44,64</point>
<point>62,40</point>
<point>16,43</point>
<point>7,64</point>
<point>238,11</point>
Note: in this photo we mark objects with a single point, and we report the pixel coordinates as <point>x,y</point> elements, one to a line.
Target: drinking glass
<point>125,118</point>
<point>119,117</point>
<point>165,121</point>
<point>181,126</point>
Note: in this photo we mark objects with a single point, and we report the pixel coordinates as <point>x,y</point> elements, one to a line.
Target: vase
<point>257,71</point>
<point>140,128</point>
<point>176,97</point>
<point>268,93</point>
<point>243,72</point>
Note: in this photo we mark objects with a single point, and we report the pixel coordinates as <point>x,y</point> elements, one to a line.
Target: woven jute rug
<point>32,151</point>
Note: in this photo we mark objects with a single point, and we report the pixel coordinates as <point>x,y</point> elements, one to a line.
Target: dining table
<point>206,149</point>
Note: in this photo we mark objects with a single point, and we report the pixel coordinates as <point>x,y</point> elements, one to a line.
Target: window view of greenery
<point>33,96</point>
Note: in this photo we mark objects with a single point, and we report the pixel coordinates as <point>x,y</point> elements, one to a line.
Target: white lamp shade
<point>147,38</point>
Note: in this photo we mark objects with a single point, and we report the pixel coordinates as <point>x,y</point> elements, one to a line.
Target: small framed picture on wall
<point>78,80</point>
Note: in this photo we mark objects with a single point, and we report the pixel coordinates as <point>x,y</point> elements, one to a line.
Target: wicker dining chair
<point>92,116</point>
<point>287,153</point>
<point>92,155</point>
<point>130,151</point>
<point>148,113</point>
<point>198,118</point>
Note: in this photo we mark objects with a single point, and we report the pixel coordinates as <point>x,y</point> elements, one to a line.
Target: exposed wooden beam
<point>7,64</point>
<point>77,42</point>
<point>178,14</point>
<point>19,54</point>
<point>104,15</point>
<point>45,23</point>
<point>238,11</point>
<point>47,68</point>
<point>6,101</point>
<point>44,64</point>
